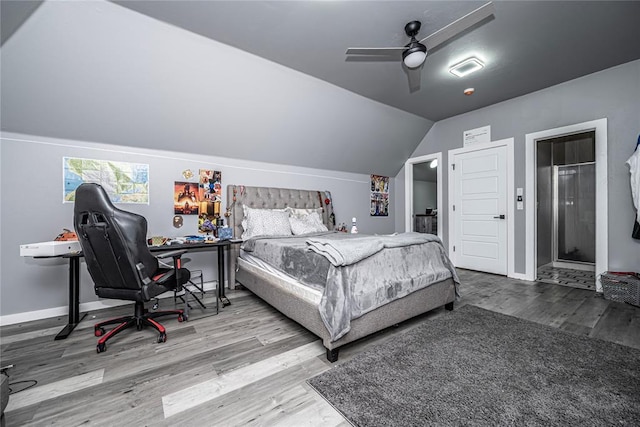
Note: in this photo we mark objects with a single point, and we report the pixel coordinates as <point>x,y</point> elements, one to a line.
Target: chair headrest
<point>90,196</point>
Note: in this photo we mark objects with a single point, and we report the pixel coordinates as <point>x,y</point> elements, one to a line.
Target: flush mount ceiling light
<point>433,164</point>
<point>466,67</point>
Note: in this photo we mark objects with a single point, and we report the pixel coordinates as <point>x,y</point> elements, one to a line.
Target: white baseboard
<point>28,316</point>
<point>520,276</point>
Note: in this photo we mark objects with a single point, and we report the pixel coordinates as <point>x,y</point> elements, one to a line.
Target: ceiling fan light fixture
<point>415,55</point>
<point>466,67</point>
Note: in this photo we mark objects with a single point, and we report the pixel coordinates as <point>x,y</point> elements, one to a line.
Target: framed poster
<point>210,190</point>
<point>185,198</point>
<point>379,195</point>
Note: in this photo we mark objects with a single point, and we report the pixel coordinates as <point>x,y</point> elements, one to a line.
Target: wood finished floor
<point>245,366</point>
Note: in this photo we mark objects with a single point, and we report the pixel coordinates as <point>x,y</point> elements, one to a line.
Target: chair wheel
<point>101,348</point>
<point>162,338</point>
<point>98,332</point>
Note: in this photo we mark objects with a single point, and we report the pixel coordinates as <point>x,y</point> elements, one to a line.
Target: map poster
<point>185,198</point>
<point>379,195</point>
<point>124,182</point>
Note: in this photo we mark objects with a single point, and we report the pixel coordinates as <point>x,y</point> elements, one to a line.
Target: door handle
<point>499,217</point>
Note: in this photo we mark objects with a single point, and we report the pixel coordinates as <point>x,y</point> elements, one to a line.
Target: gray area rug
<point>476,367</point>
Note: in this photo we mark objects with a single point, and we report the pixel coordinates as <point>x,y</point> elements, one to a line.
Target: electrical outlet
<point>520,206</point>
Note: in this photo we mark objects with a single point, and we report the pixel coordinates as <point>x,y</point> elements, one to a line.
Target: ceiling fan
<point>415,52</point>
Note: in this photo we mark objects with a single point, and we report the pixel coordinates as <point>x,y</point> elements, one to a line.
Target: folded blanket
<point>349,251</point>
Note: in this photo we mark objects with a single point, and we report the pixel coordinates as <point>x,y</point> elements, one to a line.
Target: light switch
<point>519,191</point>
<point>520,205</point>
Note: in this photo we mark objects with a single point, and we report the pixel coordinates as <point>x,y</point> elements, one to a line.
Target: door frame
<point>508,143</point>
<point>408,189</point>
<point>602,219</point>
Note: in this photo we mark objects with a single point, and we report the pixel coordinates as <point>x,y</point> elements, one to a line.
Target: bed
<point>320,307</point>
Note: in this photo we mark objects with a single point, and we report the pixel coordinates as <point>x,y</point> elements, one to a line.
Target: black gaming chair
<point>114,245</point>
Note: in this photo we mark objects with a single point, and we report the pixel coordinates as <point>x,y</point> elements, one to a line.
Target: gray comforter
<point>351,249</point>
<point>290,255</point>
<point>357,273</point>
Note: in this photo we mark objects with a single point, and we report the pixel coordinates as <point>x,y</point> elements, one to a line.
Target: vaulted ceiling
<point>526,45</point>
<point>160,74</point>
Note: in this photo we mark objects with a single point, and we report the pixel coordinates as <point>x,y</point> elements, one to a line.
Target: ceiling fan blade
<point>373,58</point>
<point>458,26</point>
<point>414,78</point>
<point>386,51</point>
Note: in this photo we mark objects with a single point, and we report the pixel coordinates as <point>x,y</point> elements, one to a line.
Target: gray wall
<point>612,93</point>
<point>96,71</point>
<point>32,209</point>
<point>425,195</point>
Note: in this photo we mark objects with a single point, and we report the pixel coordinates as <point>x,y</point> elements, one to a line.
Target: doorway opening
<point>566,205</point>
<point>425,197</point>
<point>423,194</point>
<point>566,211</point>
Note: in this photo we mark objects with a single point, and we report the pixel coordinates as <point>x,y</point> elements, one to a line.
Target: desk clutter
<point>62,247</point>
<point>193,239</point>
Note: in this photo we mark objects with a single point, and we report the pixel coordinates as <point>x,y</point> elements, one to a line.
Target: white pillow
<point>304,224</point>
<point>265,222</point>
<point>244,213</point>
<point>303,211</point>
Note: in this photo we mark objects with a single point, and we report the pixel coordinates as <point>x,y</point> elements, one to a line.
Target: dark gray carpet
<point>476,367</point>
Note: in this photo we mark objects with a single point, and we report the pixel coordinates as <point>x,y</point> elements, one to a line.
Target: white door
<point>480,210</point>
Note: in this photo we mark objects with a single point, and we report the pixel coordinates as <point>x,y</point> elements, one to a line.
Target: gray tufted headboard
<point>274,198</point>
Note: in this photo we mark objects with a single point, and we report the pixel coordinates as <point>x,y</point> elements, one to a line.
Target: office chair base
<point>141,318</point>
